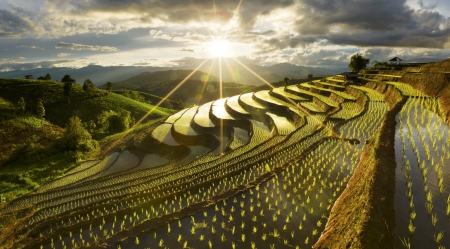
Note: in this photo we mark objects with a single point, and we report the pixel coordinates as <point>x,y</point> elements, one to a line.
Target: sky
<point>316,33</point>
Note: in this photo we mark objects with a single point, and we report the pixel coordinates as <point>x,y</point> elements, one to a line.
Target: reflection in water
<point>422,182</point>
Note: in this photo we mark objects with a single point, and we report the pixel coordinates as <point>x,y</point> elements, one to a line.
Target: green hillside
<point>87,106</point>
<point>31,149</point>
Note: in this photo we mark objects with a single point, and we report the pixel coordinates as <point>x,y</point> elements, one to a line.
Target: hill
<point>198,89</point>
<point>87,106</point>
<point>232,71</point>
<point>98,74</point>
<point>31,152</point>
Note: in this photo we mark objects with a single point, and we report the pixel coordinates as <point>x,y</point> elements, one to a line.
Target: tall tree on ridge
<point>357,62</point>
<point>68,84</point>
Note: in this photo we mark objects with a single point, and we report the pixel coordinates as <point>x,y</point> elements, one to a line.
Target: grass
<point>18,178</point>
<point>87,106</point>
<point>90,109</point>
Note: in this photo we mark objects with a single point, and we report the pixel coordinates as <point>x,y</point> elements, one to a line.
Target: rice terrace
<point>328,163</point>
<point>237,124</point>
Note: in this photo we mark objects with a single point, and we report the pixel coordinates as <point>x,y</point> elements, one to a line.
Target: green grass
<point>147,96</point>
<point>87,106</point>
<point>17,178</point>
<point>89,109</point>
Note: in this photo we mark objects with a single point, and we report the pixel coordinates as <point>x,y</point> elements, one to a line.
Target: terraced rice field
<point>262,170</point>
<point>422,200</point>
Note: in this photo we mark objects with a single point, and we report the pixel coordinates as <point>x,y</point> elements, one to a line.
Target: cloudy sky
<point>319,33</point>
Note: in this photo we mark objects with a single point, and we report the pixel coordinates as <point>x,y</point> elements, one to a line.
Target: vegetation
<point>114,122</point>
<point>109,86</point>
<point>358,62</point>
<point>76,137</point>
<point>68,85</point>
<point>88,86</point>
<point>21,105</point>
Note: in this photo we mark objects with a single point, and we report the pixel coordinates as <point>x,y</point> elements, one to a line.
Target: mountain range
<point>231,72</point>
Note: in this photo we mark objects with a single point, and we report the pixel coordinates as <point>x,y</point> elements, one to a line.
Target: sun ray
<point>230,70</point>
<point>206,80</point>
<point>221,96</point>
<point>234,14</point>
<point>153,109</point>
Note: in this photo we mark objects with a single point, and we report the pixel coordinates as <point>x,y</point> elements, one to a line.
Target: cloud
<point>11,60</point>
<point>75,46</point>
<point>66,18</point>
<point>30,47</point>
<point>187,50</point>
<point>63,54</point>
<point>427,7</point>
<point>13,25</point>
<point>33,65</point>
<point>372,23</point>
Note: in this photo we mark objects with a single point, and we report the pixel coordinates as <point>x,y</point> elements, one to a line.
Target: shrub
<point>114,122</point>
<point>75,135</point>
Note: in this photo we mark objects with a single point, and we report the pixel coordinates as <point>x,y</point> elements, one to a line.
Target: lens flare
<point>219,48</point>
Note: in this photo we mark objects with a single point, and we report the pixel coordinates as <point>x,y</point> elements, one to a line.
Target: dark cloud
<point>75,46</point>
<point>177,11</point>
<point>14,25</point>
<point>369,23</point>
<point>427,7</point>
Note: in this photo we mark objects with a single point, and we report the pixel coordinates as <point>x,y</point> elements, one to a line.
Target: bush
<point>76,136</point>
<point>29,152</point>
<point>115,122</point>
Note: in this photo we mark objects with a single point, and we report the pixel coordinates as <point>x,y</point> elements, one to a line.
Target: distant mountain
<point>234,72</point>
<point>231,72</point>
<point>98,74</point>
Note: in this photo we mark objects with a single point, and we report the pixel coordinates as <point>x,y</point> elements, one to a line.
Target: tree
<point>114,122</point>
<point>76,136</point>
<point>286,82</point>
<point>48,77</point>
<point>68,84</point>
<point>88,85</point>
<point>21,104</point>
<point>168,104</point>
<point>40,110</point>
<point>357,62</point>
<point>90,126</point>
<point>108,86</point>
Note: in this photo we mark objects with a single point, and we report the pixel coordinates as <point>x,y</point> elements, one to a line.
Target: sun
<point>219,48</point>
